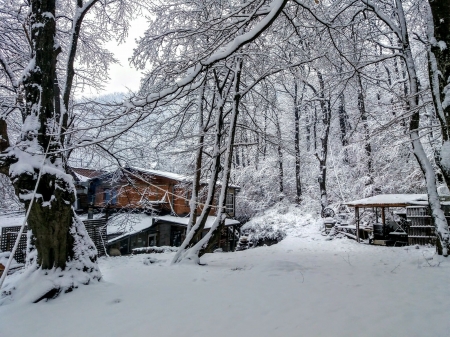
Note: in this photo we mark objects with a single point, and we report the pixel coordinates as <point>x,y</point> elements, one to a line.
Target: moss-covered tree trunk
<point>51,214</point>
<point>50,219</point>
<point>59,235</point>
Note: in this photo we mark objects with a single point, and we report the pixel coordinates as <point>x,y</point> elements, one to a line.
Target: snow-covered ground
<point>303,286</point>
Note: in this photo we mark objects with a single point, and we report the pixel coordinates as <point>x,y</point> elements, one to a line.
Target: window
<point>151,240</point>
<point>106,195</point>
<point>110,196</point>
<point>187,196</point>
<point>229,204</point>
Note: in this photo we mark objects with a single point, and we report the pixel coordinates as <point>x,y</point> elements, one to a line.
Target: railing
<point>96,230</point>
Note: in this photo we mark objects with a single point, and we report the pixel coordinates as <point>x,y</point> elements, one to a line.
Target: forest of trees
<point>313,102</point>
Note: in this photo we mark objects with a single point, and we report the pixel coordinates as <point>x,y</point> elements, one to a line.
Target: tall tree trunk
<point>279,157</point>
<point>60,237</point>
<point>298,183</point>
<point>193,203</point>
<point>367,146</point>
<point>308,131</point>
<point>437,214</point>
<point>191,254</point>
<point>343,120</point>
<point>439,72</point>
<point>325,130</point>
<point>214,233</point>
<point>265,135</point>
<point>343,125</point>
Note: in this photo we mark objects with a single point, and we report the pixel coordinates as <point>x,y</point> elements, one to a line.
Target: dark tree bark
<point>59,236</point>
<point>439,72</point>
<point>197,227</point>
<point>343,120</point>
<point>193,204</point>
<point>214,233</point>
<point>325,131</point>
<point>298,184</point>
<point>51,215</point>
<point>279,158</point>
<point>367,145</point>
<point>437,214</point>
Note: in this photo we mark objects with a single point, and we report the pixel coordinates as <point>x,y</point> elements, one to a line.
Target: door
<point>152,240</point>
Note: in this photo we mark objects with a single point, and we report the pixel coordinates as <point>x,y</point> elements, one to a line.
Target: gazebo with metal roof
<point>384,201</point>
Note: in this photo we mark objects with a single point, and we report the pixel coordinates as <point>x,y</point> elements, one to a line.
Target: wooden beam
<point>383,220</point>
<point>234,238</point>
<point>357,223</point>
<point>379,205</point>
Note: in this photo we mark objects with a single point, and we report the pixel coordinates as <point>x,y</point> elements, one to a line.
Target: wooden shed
<point>418,228</point>
<point>166,230</point>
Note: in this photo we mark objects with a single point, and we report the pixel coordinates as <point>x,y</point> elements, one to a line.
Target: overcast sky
<point>123,76</point>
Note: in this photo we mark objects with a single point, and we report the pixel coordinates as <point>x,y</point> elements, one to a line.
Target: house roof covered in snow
<point>142,222</point>
<point>184,221</point>
<point>165,174</point>
<point>390,200</point>
<point>174,176</point>
<point>136,224</point>
<point>84,174</point>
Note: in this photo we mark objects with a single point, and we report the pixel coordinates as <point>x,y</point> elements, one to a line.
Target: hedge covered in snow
<point>275,223</point>
<point>149,250</point>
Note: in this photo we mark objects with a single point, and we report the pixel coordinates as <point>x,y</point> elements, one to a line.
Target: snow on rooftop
<point>390,199</point>
<point>81,178</point>
<point>170,175</point>
<point>13,219</point>
<point>84,174</point>
<point>141,222</point>
<point>184,221</point>
<point>135,224</point>
<point>175,176</point>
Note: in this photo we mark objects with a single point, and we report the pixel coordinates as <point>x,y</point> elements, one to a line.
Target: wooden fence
<point>95,228</point>
<point>8,239</point>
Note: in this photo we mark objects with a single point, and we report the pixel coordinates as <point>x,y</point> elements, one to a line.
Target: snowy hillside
<point>303,286</point>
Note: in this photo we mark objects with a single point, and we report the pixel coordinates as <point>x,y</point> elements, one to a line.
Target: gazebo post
<point>383,219</point>
<point>234,238</point>
<point>357,223</point>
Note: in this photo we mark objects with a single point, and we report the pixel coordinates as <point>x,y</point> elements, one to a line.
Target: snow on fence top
<point>390,200</point>
<point>12,219</point>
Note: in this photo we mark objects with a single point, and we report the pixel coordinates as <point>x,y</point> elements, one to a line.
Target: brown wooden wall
<point>135,195</point>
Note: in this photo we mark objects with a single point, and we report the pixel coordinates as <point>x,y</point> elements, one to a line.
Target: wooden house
<point>151,191</point>
<point>166,230</point>
<point>162,201</point>
<point>83,178</point>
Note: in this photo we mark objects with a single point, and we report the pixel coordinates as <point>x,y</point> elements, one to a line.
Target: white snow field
<point>303,286</point>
